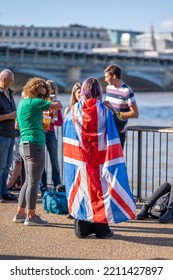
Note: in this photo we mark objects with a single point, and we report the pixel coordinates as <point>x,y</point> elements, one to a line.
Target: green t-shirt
<point>29,118</point>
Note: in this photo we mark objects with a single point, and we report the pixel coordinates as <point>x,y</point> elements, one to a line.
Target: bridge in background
<point>66,67</point>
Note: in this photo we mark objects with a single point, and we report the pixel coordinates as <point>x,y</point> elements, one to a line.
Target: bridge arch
<point>42,74</point>
<point>152,77</point>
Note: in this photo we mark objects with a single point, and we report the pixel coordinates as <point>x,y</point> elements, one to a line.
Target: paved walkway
<point>133,240</point>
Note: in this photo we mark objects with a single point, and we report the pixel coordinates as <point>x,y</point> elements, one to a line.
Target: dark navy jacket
<point>7,128</point>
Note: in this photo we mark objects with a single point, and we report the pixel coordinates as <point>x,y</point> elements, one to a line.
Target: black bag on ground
<point>55,202</point>
<point>160,207</point>
<point>119,122</point>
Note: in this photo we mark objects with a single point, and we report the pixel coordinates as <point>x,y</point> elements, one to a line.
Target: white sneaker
<point>37,221</point>
<point>1,199</point>
<point>19,218</point>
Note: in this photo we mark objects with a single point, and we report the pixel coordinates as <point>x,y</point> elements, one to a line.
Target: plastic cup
<point>46,122</point>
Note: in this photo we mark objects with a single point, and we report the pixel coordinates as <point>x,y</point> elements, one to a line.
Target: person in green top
<point>32,146</point>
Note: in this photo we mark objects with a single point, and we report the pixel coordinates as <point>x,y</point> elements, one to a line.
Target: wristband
<point>121,115</point>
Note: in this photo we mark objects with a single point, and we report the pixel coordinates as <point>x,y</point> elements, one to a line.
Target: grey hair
<point>5,73</point>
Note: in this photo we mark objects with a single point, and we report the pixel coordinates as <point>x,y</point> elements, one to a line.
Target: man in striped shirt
<point>120,97</point>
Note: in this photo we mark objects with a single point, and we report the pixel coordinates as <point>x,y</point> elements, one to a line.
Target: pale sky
<point>135,15</point>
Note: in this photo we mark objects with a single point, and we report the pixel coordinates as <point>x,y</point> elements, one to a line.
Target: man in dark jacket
<point>7,131</point>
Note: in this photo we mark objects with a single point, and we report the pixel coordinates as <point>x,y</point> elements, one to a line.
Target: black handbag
<point>119,122</point>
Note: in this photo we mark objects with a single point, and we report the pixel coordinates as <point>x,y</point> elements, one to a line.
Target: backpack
<point>55,202</point>
<point>160,206</point>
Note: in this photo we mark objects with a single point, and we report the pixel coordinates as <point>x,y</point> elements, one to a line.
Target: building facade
<point>74,37</point>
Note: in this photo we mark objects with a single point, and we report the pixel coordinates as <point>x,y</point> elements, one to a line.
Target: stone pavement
<point>133,240</point>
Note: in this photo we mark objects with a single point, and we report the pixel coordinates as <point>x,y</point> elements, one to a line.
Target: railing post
<point>139,173</point>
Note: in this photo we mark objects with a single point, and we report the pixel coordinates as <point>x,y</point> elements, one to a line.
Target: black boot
<point>143,213</point>
<point>168,216</point>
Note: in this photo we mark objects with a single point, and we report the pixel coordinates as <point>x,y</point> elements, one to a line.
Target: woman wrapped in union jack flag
<point>95,174</point>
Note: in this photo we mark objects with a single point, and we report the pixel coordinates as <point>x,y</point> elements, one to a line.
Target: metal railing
<point>149,158</point>
<point>148,154</point>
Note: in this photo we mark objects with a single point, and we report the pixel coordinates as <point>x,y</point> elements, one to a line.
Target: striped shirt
<point>121,99</point>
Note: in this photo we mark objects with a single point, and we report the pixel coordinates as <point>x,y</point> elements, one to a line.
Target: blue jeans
<point>6,158</point>
<point>52,147</point>
<point>34,161</point>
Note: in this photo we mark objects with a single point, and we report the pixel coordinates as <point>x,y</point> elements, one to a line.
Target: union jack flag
<point>95,173</point>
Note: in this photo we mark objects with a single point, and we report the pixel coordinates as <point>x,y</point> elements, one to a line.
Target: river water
<point>154,109</point>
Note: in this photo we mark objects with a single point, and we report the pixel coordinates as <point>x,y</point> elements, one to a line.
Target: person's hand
<point>16,125</point>
<point>12,116</point>
<point>108,104</point>
<point>55,105</point>
<point>59,102</point>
